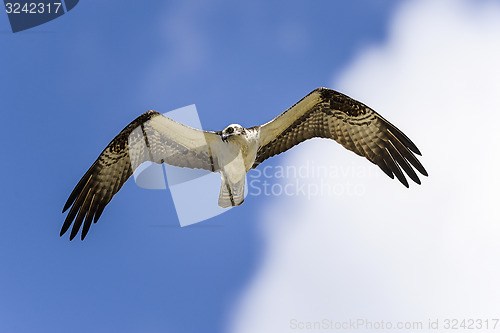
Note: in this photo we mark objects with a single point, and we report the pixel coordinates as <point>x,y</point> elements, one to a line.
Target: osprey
<point>323,113</point>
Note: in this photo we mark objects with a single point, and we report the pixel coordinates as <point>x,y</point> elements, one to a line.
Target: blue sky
<point>69,86</point>
<point>384,253</point>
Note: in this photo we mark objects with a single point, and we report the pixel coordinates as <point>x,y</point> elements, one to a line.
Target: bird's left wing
<point>326,113</point>
<point>150,137</point>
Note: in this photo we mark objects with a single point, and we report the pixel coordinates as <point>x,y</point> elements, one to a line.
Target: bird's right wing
<point>326,113</point>
<point>150,137</point>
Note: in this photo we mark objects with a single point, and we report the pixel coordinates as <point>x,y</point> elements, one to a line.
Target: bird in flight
<point>232,152</point>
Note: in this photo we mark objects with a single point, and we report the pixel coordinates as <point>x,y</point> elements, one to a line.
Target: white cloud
<point>392,253</point>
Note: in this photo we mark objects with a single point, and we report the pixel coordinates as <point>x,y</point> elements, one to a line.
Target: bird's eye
<point>230,130</point>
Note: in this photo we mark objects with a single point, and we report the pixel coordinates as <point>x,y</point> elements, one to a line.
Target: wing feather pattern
<point>150,137</point>
<point>326,113</point>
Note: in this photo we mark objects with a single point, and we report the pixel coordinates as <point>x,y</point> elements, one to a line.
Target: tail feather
<point>231,194</point>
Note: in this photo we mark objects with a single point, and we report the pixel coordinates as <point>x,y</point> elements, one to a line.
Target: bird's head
<point>232,131</point>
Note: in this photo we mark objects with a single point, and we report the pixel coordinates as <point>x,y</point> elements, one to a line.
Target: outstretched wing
<point>326,113</point>
<point>150,137</point>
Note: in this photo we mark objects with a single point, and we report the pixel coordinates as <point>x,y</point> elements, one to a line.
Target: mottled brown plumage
<point>326,113</point>
<point>323,113</point>
<point>117,162</point>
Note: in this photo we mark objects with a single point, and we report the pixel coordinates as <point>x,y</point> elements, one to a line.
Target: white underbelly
<point>232,163</point>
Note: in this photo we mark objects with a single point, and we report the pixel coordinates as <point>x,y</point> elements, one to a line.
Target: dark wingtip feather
<point>414,148</point>
<point>393,165</point>
<point>99,211</point>
<point>86,224</point>
<point>63,230</point>
<point>69,219</point>
<point>65,226</point>
<point>408,155</point>
<point>74,231</point>
<point>401,136</point>
<point>383,166</point>
<point>79,187</point>
<point>89,217</point>
<point>81,199</point>
<point>84,233</point>
<point>401,177</point>
<point>77,224</point>
<point>402,162</point>
<point>69,202</point>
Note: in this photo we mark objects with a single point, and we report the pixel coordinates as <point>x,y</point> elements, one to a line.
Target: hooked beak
<point>224,137</point>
